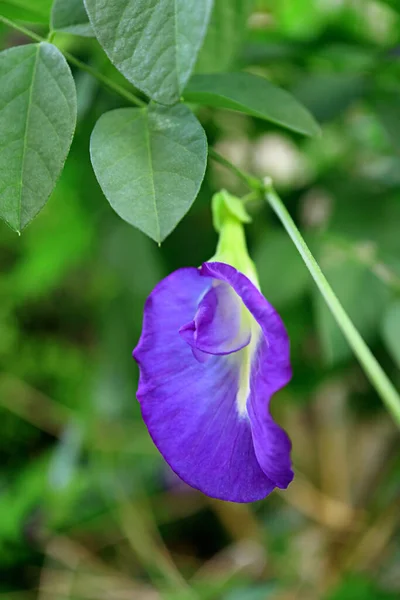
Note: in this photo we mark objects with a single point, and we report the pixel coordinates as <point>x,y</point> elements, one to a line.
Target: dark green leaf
<point>224,35</point>
<point>155,46</point>
<point>282,273</point>
<point>252,95</point>
<point>26,10</point>
<point>37,123</point>
<point>70,16</point>
<point>150,163</point>
<point>391,331</point>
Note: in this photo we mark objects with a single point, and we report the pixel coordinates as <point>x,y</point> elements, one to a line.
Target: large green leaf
<point>252,95</point>
<point>70,16</point>
<point>224,35</point>
<point>26,10</point>
<point>150,163</point>
<point>37,123</point>
<point>391,331</point>
<point>154,44</point>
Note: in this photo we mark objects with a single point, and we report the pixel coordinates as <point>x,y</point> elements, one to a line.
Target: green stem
<point>112,85</point>
<point>22,29</point>
<point>372,368</point>
<point>50,36</point>
<point>252,182</point>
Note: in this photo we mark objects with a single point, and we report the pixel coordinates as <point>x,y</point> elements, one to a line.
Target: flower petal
<point>218,326</point>
<point>190,407</point>
<point>270,370</point>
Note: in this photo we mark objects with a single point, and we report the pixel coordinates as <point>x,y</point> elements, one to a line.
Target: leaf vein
<point>25,141</point>
<point>148,143</point>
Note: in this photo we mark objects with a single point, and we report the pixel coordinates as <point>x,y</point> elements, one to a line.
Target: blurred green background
<point>88,509</point>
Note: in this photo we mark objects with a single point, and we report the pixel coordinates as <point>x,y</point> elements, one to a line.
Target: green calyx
<point>229,216</point>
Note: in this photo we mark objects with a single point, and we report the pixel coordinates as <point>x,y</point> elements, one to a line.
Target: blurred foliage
<point>88,509</point>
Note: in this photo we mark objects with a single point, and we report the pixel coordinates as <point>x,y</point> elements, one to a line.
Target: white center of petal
<point>245,357</point>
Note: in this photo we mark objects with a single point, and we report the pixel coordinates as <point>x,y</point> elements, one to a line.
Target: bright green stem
<point>252,182</point>
<point>24,30</point>
<point>369,363</point>
<point>112,85</point>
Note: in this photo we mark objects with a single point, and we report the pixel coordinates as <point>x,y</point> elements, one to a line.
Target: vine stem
<point>112,85</point>
<point>252,182</point>
<point>28,32</point>
<point>372,368</point>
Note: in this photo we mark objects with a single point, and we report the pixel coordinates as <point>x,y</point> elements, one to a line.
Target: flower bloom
<point>212,353</point>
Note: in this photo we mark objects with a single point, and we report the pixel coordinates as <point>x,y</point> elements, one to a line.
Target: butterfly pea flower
<point>211,355</point>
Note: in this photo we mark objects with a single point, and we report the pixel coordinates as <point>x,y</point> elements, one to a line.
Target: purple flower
<point>212,353</point>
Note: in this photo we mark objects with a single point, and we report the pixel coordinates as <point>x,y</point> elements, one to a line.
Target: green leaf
<point>252,95</point>
<point>37,123</point>
<point>363,296</point>
<point>224,35</point>
<point>391,331</point>
<point>150,163</point>
<point>282,274</point>
<point>155,46</point>
<point>26,10</point>
<point>70,16</point>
